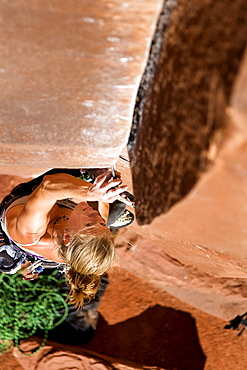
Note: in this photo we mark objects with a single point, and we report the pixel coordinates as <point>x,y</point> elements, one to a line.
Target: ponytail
<point>82,287</point>
<point>89,257</point>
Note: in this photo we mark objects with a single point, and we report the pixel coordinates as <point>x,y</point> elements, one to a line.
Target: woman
<point>43,224</point>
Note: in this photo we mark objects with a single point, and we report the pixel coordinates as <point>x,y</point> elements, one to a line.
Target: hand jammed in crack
<point>105,188</point>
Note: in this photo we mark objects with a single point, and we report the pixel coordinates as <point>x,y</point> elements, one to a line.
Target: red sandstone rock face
<point>177,280</point>
<point>161,299</point>
<point>180,114</point>
<point>143,327</point>
<point>69,74</point>
<point>156,311</point>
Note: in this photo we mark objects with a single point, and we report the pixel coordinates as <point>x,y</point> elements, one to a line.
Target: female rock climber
<point>51,218</point>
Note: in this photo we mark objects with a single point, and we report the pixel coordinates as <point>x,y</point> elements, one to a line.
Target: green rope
<point>26,306</point>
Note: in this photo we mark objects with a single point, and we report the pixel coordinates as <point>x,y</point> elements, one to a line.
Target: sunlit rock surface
<point>142,327</point>
<point>180,278</point>
<point>69,73</point>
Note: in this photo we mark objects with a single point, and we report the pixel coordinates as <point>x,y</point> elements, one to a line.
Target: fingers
<point>105,177</point>
<point>105,188</point>
<point>113,194</point>
<point>112,184</point>
<point>106,181</point>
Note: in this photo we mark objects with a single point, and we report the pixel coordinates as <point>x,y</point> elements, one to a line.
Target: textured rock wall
<point>180,114</point>
<point>69,73</point>
<point>178,279</point>
<point>142,327</point>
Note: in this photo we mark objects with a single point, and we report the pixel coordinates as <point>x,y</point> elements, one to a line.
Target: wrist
<point>89,193</point>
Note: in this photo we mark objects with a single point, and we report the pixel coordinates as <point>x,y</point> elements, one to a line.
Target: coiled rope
<point>26,306</point>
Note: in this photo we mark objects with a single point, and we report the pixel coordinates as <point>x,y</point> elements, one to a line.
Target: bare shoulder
<point>14,212</point>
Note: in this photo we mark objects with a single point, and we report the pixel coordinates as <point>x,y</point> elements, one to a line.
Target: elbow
<point>47,184</point>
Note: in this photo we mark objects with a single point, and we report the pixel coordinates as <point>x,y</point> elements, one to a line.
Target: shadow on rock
<point>179,118</point>
<point>160,336</point>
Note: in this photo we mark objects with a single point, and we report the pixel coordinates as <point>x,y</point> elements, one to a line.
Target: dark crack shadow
<point>181,102</point>
<point>160,336</point>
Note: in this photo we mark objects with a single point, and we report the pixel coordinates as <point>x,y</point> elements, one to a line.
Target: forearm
<point>33,218</point>
<point>66,186</point>
<point>53,188</point>
<point>62,186</point>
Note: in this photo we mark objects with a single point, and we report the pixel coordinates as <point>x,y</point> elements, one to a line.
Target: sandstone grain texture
<point>69,73</point>
<point>180,276</point>
<point>180,113</point>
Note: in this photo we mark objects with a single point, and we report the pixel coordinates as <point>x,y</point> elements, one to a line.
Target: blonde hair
<point>89,257</point>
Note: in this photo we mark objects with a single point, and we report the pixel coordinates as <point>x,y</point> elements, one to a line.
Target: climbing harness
<point>40,265</point>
